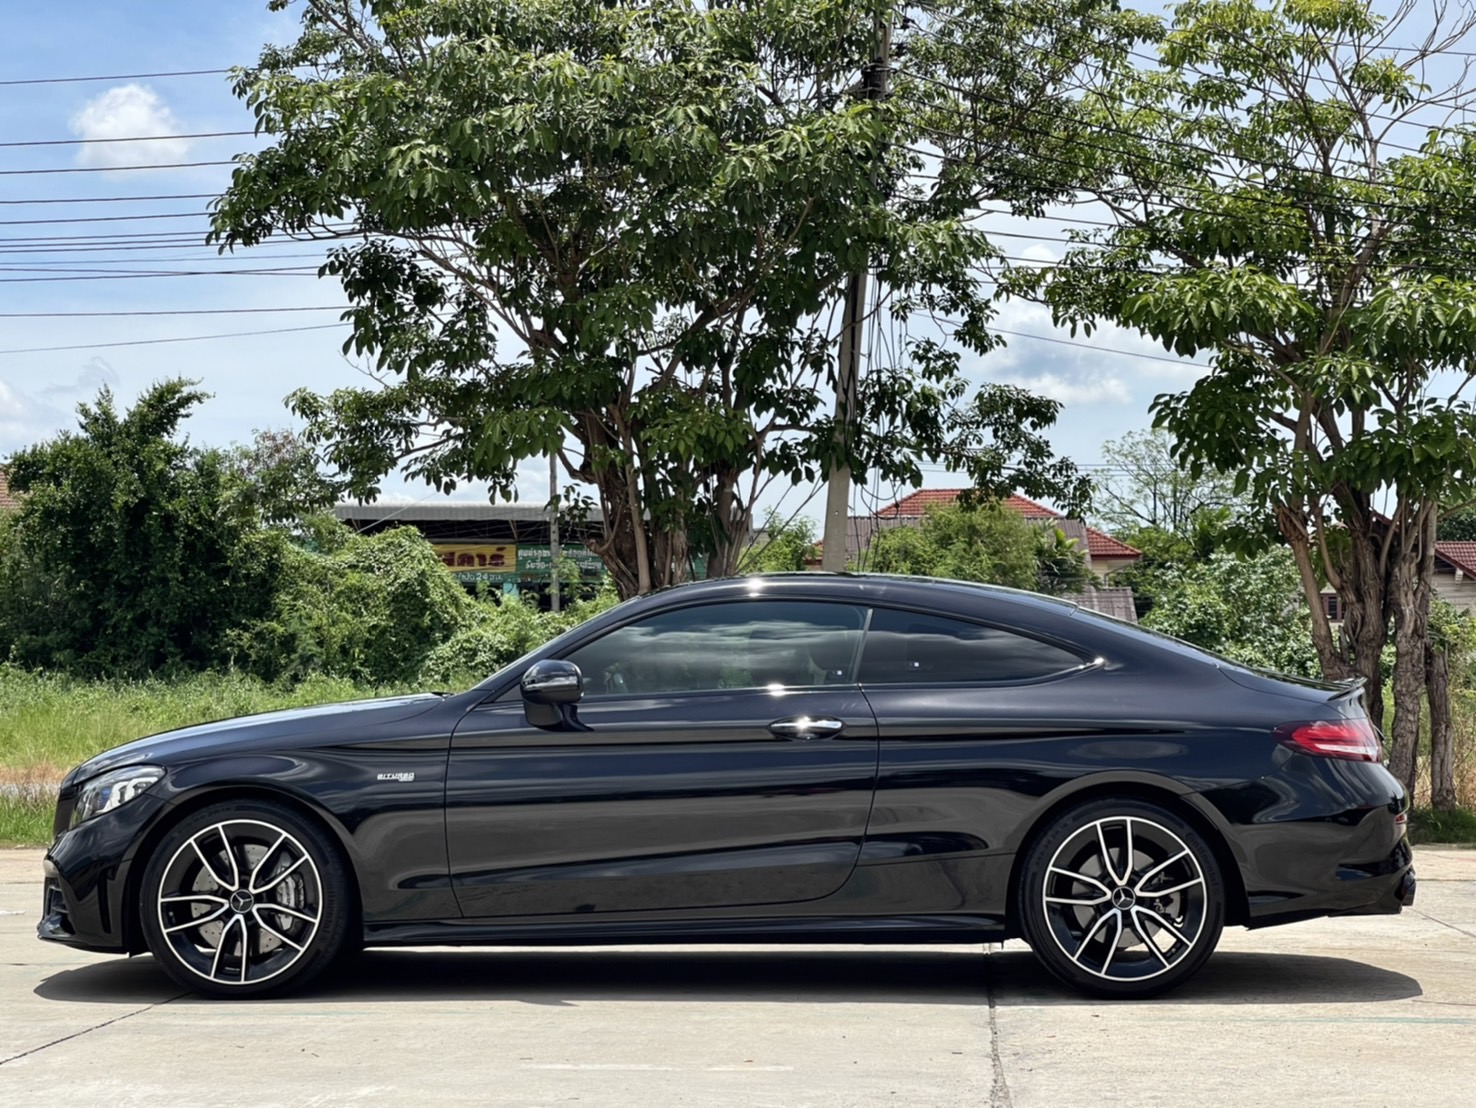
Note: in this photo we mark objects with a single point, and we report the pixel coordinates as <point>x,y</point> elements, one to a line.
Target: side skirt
<point>901,929</point>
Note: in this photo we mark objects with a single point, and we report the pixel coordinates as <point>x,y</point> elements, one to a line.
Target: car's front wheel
<point>1122,898</point>
<point>245,898</point>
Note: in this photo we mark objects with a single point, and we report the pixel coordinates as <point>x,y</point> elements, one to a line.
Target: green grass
<point>50,723</point>
<point>1455,826</point>
<point>25,820</point>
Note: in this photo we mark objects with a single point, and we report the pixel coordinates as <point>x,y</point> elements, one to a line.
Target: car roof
<point>903,588</point>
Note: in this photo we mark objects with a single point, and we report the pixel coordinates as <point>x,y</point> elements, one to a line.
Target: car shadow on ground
<point>563,977</point>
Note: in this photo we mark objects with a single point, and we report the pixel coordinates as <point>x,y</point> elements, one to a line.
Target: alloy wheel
<point>240,902</point>
<point>1125,898</point>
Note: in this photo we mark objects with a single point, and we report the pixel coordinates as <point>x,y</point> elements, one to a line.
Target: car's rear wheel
<point>1122,898</point>
<point>245,898</point>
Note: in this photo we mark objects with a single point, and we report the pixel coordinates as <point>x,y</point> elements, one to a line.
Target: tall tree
<point>616,233</point>
<point>1144,485</point>
<point>132,551</point>
<point>1265,213</point>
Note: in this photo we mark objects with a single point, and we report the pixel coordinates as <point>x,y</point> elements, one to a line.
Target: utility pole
<point>838,490</point>
<point>553,530</point>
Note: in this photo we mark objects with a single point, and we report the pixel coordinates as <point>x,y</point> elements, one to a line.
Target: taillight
<point>1353,739</point>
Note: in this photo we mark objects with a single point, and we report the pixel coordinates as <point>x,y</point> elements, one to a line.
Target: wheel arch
<point>1166,794</point>
<point>192,802</point>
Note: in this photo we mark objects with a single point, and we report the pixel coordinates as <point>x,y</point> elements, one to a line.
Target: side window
<point>737,645</point>
<point>911,648</point>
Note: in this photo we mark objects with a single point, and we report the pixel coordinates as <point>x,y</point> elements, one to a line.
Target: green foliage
<point>1458,526</point>
<point>1430,825</point>
<point>371,611</point>
<point>615,230</point>
<point>1249,609</point>
<point>280,475</point>
<point>501,631</point>
<point>785,545</point>
<point>131,552</point>
<point>981,542</point>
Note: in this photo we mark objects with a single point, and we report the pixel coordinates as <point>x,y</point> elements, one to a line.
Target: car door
<point>727,759</point>
<point>962,708</point>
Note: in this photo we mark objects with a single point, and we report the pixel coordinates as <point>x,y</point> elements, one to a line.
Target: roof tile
<point>1460,555</point>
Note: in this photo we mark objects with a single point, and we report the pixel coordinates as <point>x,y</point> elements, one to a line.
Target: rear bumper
<point>1383,887</point>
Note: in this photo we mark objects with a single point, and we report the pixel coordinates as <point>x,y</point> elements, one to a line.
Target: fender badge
<point>397,777</point>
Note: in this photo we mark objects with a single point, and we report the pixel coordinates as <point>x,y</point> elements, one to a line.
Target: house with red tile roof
<point>1455,579</point>
<point>1103,553</point>
<point>1455,574</point>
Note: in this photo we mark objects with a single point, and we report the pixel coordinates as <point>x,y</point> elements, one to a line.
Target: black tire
<point>245,898</point>
<point>1121,898</point>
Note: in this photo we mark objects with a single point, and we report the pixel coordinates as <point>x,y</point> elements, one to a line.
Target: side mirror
<point>551,688</point>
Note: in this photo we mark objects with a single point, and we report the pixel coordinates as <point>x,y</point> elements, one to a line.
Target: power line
<point>171,312</point>
<point>113,199</point>
<point>100,219</point>
<point>110,168</point>
<point>182,338</point>
<point>126,138</point>
<point>286,271</point>
<point>116,77</point>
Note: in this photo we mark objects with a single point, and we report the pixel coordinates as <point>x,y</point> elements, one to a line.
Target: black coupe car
<point>787,758</point>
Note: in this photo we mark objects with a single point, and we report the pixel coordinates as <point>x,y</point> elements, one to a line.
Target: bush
<point>1249,609</point>
<point>132,552</point>
<point>371,610</point>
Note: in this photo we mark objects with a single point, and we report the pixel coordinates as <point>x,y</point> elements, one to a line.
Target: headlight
<point>111,790</point>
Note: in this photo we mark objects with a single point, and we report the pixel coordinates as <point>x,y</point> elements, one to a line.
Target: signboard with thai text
<point>472,557</point>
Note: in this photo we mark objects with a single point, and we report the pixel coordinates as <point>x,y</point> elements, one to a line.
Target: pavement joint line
<point>1442,923</point>
<point>999,1089</point>
<point>89,1030</point>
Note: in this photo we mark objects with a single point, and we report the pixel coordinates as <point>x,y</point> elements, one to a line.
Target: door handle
<point>807,727</point>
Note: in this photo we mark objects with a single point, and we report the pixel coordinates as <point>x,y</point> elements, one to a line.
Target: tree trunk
<point>1442,730</point>
<point>1409,676</point>
<point>1410,577</point>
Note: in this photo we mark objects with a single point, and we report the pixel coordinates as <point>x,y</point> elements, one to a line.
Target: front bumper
<point>86,878</point>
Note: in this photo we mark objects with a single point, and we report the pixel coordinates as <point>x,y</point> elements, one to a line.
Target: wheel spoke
<point>1156,870</point>
<point>1176,888</point>
<point>1159,921</point>
<point>293,912</point>
<point>1147,939</point>
<point>1091,934</point>
<point>209,867</point>
<point>194,898</point>
<point>1107,855</point>
<point>265,926</point>
<point>230,856</point>
<point>1072,900</point>
<point>199,921</point>
<point>1112,946</point>
<point>277,880</point>
<point>251,881</point>
<point>1084,879</point>
<point>221,945</point>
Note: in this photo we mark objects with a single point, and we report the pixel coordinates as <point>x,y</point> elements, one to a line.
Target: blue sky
<point>1105,392</point>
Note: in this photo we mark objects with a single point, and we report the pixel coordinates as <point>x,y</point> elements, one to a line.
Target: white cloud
<point>26,419</point>
<point>126,112</point>
<point>1097,388</point>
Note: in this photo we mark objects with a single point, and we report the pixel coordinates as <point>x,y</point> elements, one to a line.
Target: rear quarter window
<point>914,648</point>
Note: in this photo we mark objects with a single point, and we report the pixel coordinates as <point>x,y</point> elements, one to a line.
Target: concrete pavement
<point>1358,1011</point>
